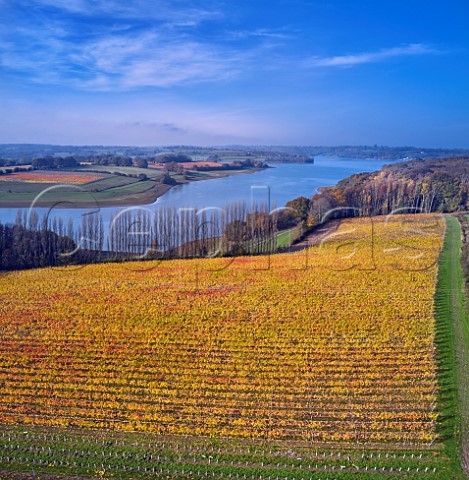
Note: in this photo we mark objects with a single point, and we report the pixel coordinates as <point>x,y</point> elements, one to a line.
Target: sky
<point>245,72</point>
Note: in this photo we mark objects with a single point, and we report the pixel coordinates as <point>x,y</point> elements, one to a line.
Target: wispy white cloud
<point>414,49</point>
<point>162,10</point>
<point>153,60</point>
<point>110,45</point>
<point>123,53</point>
<point>283,34</point>
<point>73,6</point>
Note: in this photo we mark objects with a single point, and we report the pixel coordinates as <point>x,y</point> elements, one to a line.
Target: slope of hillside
<point>430,185</point>
<point>328,350</point>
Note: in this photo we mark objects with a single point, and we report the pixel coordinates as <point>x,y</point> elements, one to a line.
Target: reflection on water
<point>272,187</point>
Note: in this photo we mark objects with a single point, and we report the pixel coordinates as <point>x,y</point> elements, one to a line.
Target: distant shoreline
<point>147,197</point>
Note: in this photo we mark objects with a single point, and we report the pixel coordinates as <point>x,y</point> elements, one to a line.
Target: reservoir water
<point>273,187</point>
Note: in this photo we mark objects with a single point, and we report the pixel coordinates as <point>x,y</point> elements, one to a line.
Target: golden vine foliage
<point>331,344</point>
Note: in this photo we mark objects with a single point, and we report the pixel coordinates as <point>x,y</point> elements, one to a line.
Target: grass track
<point>452,340</point>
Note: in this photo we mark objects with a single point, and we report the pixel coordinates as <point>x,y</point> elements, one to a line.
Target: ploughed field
<point>51,177</point>
<point>315,364</point>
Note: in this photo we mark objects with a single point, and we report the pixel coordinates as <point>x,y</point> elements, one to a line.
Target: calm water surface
<point>273,187</point>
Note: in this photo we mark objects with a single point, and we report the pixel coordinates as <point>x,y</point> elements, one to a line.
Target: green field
<point>68,453</point>
<point>119,186</point>
<point>114,190</point>
<point>452,340</point>
<point>112,169</point>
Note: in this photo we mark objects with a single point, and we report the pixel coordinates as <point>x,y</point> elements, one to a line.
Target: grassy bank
<point>452,340</point>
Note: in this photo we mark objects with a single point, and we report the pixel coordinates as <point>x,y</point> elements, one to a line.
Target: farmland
<point>291,365</point>
<point>92,185</point>
<point>74,178</point>
<point>78,188</point>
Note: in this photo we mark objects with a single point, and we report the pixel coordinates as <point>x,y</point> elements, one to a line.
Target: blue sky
<point>216,72</point>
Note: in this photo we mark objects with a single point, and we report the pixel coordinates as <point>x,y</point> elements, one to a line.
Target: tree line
<point>22,248</point>
<point>463,221</point>
<point>138,233</point>
<point>430,185</point>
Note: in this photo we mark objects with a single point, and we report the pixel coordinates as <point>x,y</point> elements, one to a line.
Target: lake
<point>273,187</point>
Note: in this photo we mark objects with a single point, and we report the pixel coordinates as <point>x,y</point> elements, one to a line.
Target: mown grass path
<point>452,340</point>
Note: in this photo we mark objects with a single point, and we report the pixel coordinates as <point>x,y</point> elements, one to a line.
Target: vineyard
<point>315,364</point>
